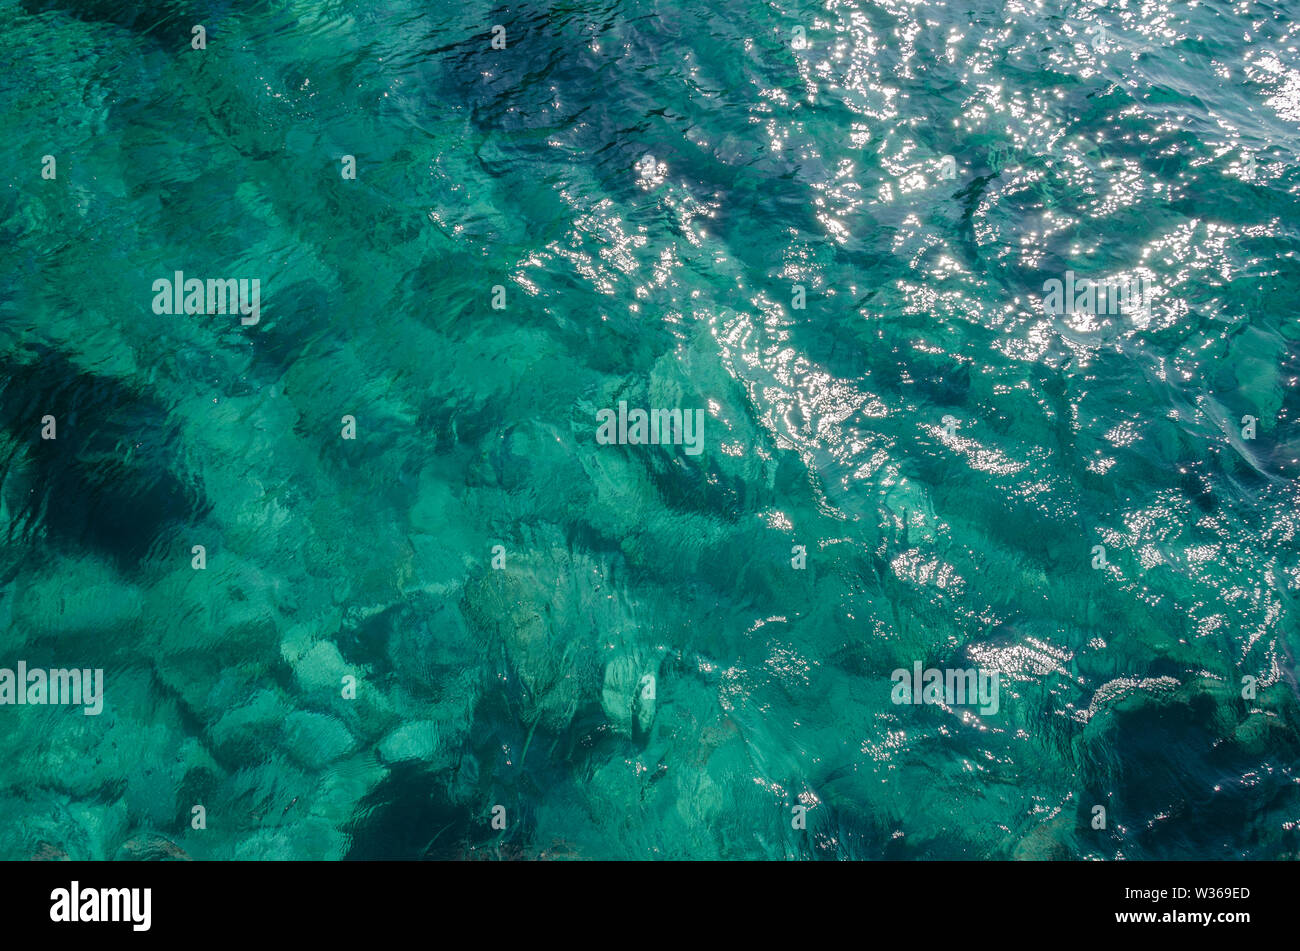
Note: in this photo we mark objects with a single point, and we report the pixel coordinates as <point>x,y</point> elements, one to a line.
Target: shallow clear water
<point>829,227</point>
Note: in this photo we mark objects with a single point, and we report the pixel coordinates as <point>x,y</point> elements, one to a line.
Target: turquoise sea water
<point>669,652</point>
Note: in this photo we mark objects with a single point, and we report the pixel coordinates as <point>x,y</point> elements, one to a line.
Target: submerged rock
<point>628,695</point>
<point>410,741</point>
<point>49,853</point>
<point>151,847</point>
<point>544,612</point>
